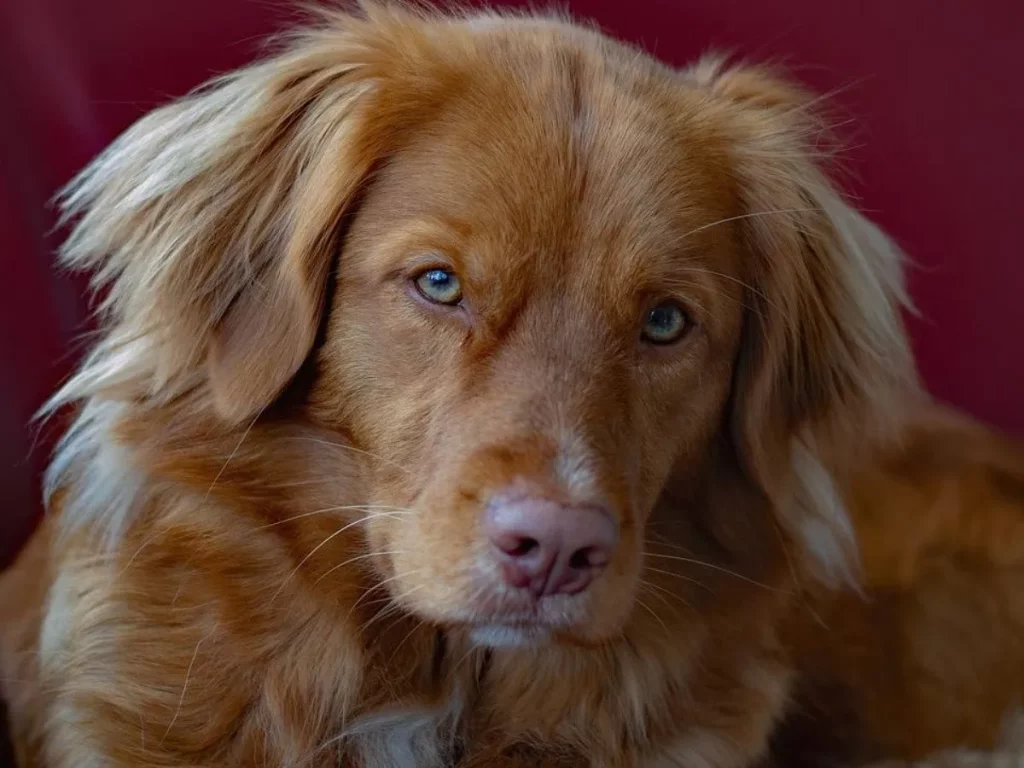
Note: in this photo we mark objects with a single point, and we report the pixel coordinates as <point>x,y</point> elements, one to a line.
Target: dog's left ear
<point>212,224</point>
<point>825,370</point>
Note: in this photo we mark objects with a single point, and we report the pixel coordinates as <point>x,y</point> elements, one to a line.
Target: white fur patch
<point>575,467</point>
<point>406,737</point>
<point>704,749</point>
<point>57,619</point>
<point>499,636</point>
<point>102,484</point>
<point>821,521</point>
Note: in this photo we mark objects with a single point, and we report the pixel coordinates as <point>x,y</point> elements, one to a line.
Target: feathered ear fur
<point>211,224</point>
<point>211,227</point>
<point>825,367</point>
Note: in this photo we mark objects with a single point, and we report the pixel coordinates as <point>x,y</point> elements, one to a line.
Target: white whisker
<point>353,449</point>
<point>321,545</point>
<point>394,607</point>
<point>719,568</point>
<point>184,687</point>
<point>384,511</point>
<point>371,590</point>
<point>660,592</point>
<point>753,215</point>
<point>233,453</point>
<point>698,582</point>
<point>351,560</point>
<point>647,608</point>
<point>416,627</point>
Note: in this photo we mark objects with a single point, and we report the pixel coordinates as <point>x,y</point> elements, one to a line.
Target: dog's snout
<point>546,547</point>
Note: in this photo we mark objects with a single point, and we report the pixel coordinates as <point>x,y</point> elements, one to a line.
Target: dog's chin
<point>497,635</point>
<point>509,636</point>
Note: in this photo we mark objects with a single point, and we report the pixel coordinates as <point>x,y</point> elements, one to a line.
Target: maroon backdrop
<point>932,88</point>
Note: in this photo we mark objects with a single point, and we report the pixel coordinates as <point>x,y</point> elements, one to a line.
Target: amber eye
<point>439,286</point>
<point>665,323</point>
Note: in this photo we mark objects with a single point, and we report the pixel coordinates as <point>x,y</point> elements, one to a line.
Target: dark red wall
<point>933,88</point>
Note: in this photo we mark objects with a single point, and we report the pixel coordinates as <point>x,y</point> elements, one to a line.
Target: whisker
<point>394,607</point>
<point>679,283</point>
<point>308,481</point>
<point>648,586</point>
<point>149,540</point>
<point>353,449</point>
<point>419,623</point>
<point>704,271</point>
<point>237,447</point>
<point>378,601</point>
<point>647,608</point>
<point>760,294</point>
<point>720,568</point>
<point>321,545</point>
<point>754,215</point>
<point>351,560</point>
<point>384,511</point>
<point>660,592</point>
<point>698,582</point>
<point>209,490</point>
<point>374,588</point>
<point>456,668</point>
<point>184,687</point>
<point>664,541</point>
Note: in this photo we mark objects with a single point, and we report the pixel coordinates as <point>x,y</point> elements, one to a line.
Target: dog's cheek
<point>380,533</point>
<point>615,597</point>
<point>678,421</point>
<point>432,562</point>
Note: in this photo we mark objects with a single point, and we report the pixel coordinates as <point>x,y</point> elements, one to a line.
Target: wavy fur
<point>263,539</point>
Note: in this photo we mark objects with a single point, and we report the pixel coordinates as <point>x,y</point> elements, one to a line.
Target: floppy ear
<point>211,224</point>
<point>824,370</point>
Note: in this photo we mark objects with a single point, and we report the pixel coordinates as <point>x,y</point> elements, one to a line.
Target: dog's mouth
<point>509,634</point>
<point>473,594</point>
<point>524,623</point>
<point>528,623</point>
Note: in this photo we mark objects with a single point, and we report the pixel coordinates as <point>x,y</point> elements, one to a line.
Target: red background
<point>933,88</point>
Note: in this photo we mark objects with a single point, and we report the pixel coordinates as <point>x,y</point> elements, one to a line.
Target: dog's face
<point>539,279</point>
<point>535,320</point>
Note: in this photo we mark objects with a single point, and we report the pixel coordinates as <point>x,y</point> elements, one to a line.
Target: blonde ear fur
<point>825,369</point>
<point>210,228</point>
<point>210,225</point>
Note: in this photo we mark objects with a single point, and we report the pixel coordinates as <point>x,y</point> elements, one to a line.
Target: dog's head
<point>544,287</point>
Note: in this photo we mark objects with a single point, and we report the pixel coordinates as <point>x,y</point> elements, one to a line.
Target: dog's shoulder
<point>928,656</point>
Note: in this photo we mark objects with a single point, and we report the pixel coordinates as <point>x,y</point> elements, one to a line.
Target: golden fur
<point>263,545</point>
<point>929,656</point>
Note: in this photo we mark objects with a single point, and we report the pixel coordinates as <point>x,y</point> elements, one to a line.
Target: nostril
<point>523,547</point>
<point>589,557</point>
<point>516,545</point>
<point>581,558</point>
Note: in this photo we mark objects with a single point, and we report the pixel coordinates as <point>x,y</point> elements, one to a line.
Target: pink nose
<point>549,548</point>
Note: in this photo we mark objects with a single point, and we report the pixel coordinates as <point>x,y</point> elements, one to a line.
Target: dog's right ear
<point>211,224</point>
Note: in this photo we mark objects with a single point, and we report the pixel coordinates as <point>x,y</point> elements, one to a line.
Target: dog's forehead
<point>557,158</point>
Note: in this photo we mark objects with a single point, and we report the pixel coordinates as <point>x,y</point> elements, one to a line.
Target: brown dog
<point>477,390</point>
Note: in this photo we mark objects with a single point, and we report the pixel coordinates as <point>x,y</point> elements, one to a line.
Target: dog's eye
<point>439,286</point>
<point>665,323</point>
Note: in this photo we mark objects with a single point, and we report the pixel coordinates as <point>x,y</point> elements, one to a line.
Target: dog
<point>473,389</point>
